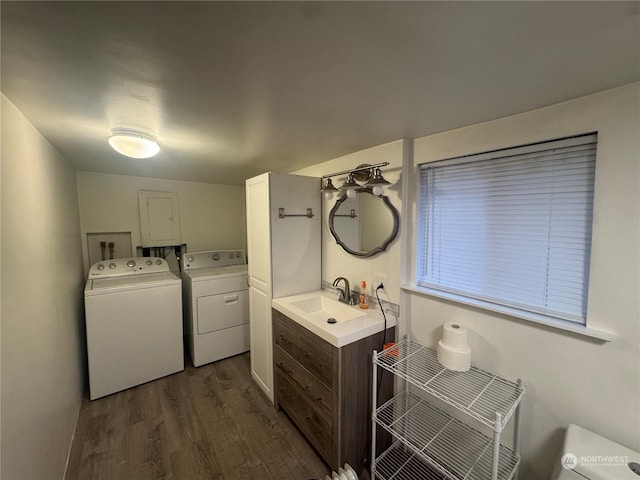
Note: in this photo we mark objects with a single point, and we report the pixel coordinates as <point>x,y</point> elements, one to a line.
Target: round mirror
<point>364,225</point>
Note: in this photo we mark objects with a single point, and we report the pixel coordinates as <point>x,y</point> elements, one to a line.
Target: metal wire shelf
<point>477,393</point>
<point>400,463</point>
<point>451,447</point>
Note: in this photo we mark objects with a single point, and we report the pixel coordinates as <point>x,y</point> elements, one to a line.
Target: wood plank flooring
<point>211,422</point>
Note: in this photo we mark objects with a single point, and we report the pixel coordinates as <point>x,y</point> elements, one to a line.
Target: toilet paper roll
<point>458,359</point>
<point>454,335</point>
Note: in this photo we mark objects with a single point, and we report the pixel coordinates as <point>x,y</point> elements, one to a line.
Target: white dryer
<point>216,304</point>
<point>133,312</point>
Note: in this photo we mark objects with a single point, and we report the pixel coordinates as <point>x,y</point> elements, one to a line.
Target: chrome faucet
<point>345,295</point>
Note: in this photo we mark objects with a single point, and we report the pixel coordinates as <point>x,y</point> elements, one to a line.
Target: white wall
<point>570,379</point>
<point>42,322</point>
<point>211,216</point>
<point>335,261</point>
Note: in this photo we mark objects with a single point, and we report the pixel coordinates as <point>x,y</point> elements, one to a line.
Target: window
<point>511,227</point>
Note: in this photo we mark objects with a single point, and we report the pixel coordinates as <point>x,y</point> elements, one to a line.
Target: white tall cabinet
<point>283,255</point>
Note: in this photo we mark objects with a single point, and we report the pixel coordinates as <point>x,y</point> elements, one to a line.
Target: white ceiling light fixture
<point>133,143</point>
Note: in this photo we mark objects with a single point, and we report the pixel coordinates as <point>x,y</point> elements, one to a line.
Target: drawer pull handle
<point>286,370</point>
<point>231,299</point>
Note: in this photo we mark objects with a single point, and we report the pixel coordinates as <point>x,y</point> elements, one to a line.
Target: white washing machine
<point>133,312</point>
<point>216,304</point>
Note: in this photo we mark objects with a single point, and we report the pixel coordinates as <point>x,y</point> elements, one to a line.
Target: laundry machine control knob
<point>231,255</point>
<point>131,263</point>
<point>100,266</point>
<point>158,262</point>
<point>216,257</point>
<point>112,266</point>
<point>237,255</point>
<point>149,262</point>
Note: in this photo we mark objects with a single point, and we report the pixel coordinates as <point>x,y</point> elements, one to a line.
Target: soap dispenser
<point>363,296</point>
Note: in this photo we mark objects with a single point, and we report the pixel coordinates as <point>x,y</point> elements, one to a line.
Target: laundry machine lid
<point>102,285</point>
<point>598,458</point>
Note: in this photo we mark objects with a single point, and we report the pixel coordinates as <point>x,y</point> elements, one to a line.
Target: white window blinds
<point>511,227</point>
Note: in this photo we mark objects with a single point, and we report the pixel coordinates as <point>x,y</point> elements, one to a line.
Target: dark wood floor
<point>210,422</point>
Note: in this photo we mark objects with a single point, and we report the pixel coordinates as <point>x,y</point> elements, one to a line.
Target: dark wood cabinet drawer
<point>316,428</point>
<point>327,390</point>
<point>313,353</point>
<point>318,395</point>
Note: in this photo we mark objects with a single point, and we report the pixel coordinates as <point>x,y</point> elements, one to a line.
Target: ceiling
<point>233,89</point>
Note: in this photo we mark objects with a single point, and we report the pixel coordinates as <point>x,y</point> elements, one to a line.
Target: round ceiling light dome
<point>133,143</point>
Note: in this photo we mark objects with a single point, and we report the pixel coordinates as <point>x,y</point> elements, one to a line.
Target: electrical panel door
<point>159,219</point>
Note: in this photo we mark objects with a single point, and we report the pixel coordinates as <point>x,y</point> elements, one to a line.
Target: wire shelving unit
<point>431,443</point>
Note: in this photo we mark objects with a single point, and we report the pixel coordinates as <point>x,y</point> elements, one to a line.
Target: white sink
<point>323,308</point>
<point>312,310</point>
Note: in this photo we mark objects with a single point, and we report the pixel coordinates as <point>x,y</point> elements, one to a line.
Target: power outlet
<point>378,278</point>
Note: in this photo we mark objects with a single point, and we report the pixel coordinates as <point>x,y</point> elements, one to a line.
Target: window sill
<point>513,312</point>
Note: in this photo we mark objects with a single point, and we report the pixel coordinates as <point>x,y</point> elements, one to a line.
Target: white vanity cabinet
<point>283,247</point>
<point>435,443</point>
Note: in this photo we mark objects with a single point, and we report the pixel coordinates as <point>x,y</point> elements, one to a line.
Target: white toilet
<point>590,456</point>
